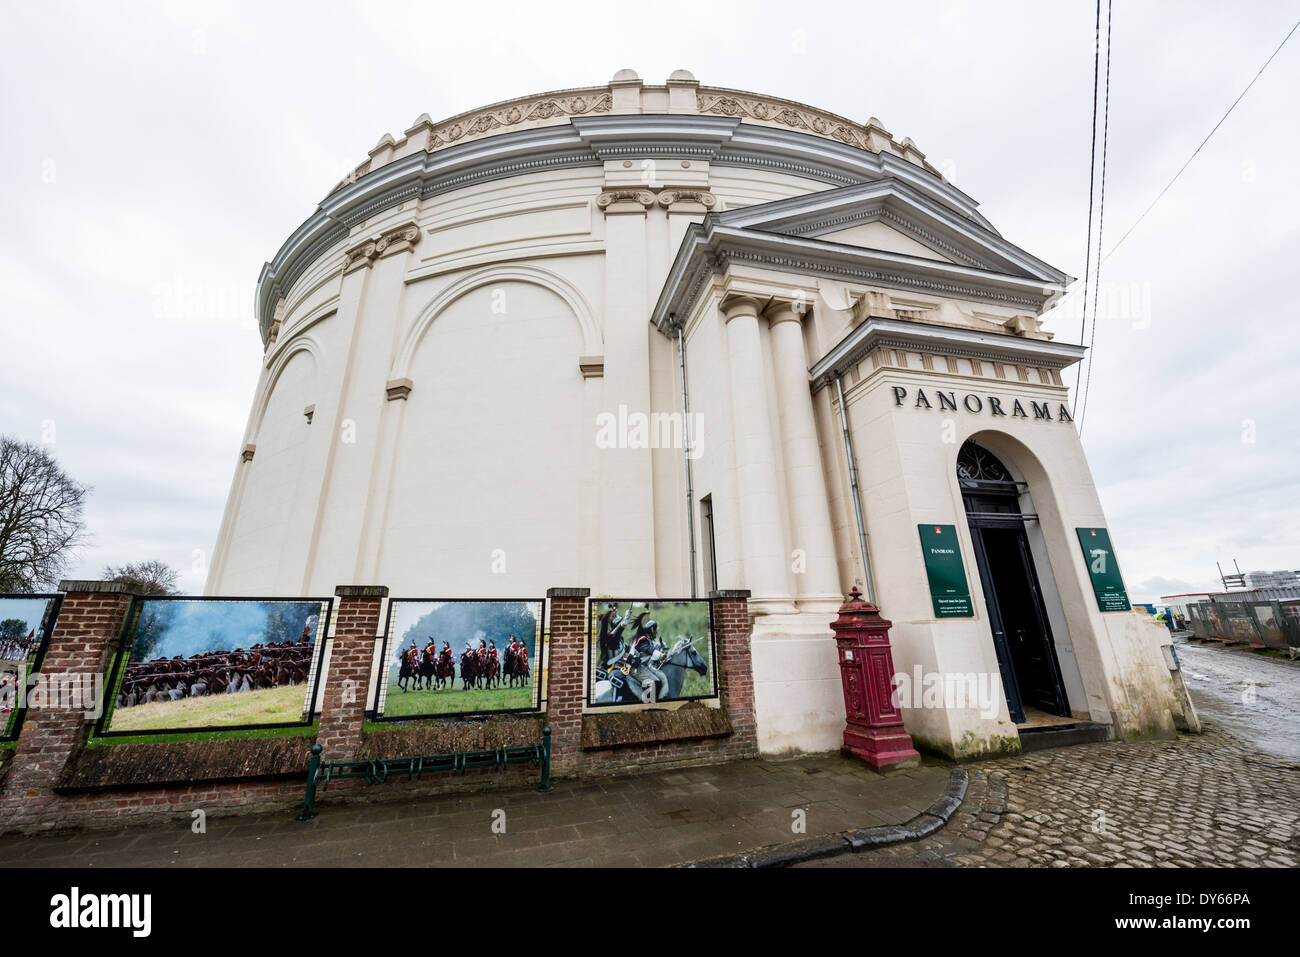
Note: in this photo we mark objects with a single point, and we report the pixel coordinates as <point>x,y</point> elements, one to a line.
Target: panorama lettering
<point>948,402</point>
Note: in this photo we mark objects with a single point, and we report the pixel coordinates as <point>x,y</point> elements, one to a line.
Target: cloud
<point>169,148</point>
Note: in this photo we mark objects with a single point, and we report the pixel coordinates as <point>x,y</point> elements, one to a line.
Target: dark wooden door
<point>1001,645</point>
<point>1022,635</point>
<point>1012,579</point>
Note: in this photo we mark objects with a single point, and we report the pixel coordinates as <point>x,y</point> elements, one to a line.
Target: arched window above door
<point>977,466</point>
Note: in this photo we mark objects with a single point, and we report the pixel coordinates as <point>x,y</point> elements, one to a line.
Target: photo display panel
<point>200,664</point>
<point>650,651</point>
<point>26,623</point>
<point>459,657</point>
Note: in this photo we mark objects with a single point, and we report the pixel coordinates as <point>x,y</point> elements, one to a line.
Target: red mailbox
<point>874,731</point>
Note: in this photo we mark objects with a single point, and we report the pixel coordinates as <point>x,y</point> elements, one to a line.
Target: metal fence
<point>1264,624</point>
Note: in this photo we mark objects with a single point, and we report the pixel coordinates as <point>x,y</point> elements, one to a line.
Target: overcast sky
<point>154,155</point>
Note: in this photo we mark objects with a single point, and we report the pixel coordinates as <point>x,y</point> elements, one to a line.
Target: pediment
<point>882,236</point>
<point>890,216</point>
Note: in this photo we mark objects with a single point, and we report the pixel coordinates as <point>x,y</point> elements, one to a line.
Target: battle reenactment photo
<point>197,664</point>
<point>24,624</point>
<point>461,657</point>
<point>650,651</point>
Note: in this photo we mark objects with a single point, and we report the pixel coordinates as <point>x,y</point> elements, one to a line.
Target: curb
<point>848,842</point>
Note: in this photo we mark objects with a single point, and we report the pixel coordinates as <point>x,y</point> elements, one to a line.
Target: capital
<point>788,310</point>
<point>734,306</point>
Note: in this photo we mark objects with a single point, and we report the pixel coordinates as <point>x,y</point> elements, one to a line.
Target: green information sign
<point>948,589</point>
<point>1099,556</point>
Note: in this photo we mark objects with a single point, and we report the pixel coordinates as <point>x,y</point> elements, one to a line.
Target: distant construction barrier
<point>1261,624</point>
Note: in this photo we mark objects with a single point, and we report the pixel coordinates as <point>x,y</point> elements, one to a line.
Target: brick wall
<point>347,685</point>
<point>565,678</point>
<point>568,693</point>
<point>82,643</point>
<point>52,780</point>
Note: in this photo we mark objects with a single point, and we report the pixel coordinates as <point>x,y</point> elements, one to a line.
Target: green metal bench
<point>321,773</point>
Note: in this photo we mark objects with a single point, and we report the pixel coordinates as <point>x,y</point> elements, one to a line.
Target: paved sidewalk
<point>655,819</point>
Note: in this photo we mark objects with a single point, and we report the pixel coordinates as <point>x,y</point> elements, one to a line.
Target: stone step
<point>1063,735</point>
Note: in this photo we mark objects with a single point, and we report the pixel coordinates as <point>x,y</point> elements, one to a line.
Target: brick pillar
<point>565,688</point>
<point>735,672</point>
<point>347,685</point>
<point>84,639</point>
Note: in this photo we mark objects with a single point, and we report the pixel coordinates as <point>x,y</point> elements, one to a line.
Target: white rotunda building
<point>660,340</point>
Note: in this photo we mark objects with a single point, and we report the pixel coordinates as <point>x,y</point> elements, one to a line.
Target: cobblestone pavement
<point>653,819</point>
<point>1207,800</point>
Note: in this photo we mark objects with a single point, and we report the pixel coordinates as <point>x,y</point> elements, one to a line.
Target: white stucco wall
<point>457,349</point>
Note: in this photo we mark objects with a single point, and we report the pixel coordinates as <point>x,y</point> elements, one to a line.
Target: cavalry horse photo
<point>407,672</point>
<point>620,688</point>
<point>444,671</point>
<point>516,668</point>
<point>470,676</point>
<point>431,671</point>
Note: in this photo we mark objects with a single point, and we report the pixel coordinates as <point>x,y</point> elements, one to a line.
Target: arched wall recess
<point>299,344</point>
<point>593,344</point>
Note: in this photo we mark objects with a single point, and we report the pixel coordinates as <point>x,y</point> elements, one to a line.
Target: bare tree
<point>40,517</point>
<point>145,578</point>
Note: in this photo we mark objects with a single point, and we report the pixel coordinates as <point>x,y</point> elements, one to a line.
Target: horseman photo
<point>25,623</point>
<point>199,663</point>
<point>460,657</point>
<point>648,652</point>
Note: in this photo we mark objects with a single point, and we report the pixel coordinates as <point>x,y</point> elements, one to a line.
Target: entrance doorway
<point>1018,620</point>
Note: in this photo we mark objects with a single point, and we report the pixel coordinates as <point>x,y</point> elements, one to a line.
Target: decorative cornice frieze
<point>498,170</point>
<point>545,109</point>
<point>387,243</point>
<point>387,200</point>
<point>515,113</point>
<point>877,276</point>
<point>749,158</point>
<point>605,152</point>
<point>796,117</point>
<point>560,144</point>
<point>926,338</point>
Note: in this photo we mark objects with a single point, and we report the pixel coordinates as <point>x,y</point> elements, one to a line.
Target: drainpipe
<point>686,441</point>
<point>857,497</point>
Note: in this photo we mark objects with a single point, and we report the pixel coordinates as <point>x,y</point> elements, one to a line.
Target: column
<point>761,529</point>
<point>810,519</point>
<point>626,478</point>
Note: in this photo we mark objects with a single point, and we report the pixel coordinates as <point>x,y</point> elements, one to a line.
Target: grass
<point>399,703</point>
<point>234,734</point>
<point>282,705</point>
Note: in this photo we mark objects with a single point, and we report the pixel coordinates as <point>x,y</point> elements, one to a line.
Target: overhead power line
<point>1101,220</point>
<point>1206,140</point>
<point>1092,178</point>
